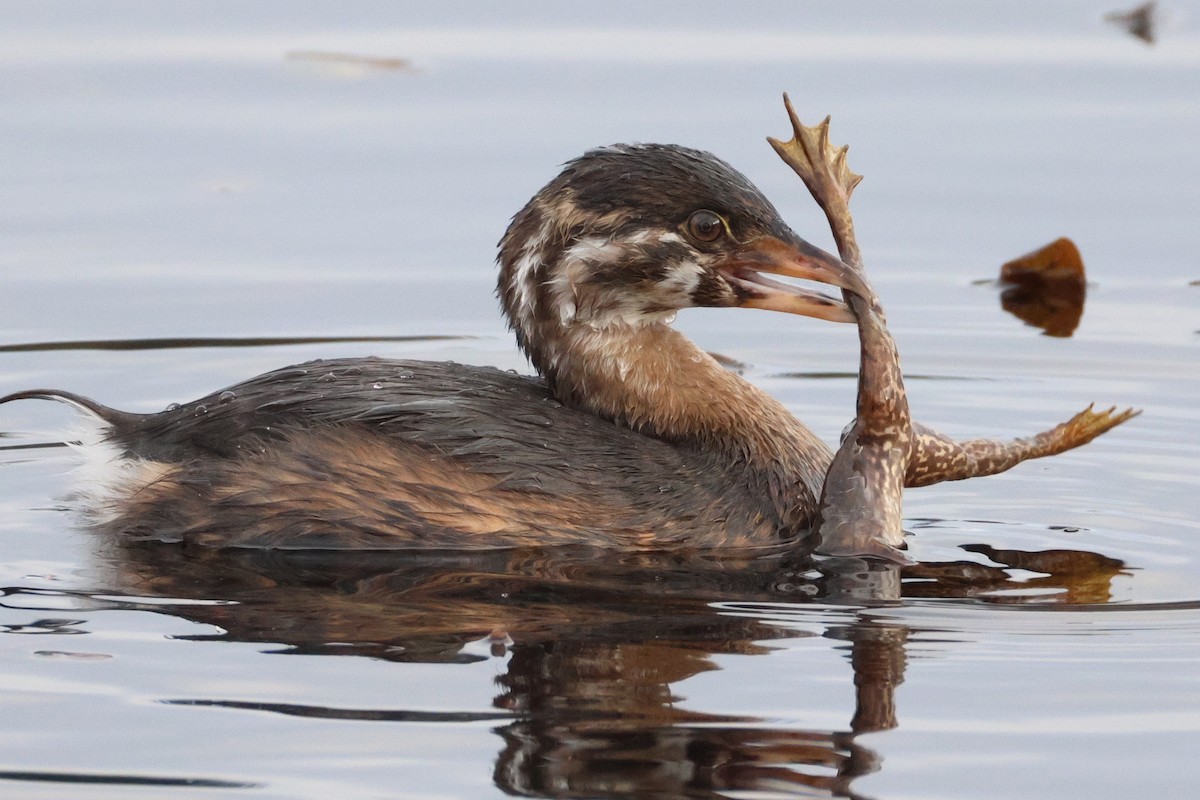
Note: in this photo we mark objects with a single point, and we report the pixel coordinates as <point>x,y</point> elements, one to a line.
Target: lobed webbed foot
<point>1083,427</point>
<point>819,164</point>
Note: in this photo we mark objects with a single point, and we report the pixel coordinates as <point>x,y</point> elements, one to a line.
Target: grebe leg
<point>936,457</point>
<point>861,508</point>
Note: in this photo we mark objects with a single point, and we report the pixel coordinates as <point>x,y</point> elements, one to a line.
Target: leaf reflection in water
<point>585,706</point>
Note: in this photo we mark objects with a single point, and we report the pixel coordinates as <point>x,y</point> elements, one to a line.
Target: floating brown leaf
<point>1046,288</point>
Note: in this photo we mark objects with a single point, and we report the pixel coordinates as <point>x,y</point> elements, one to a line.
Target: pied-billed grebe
<point>633,438</point>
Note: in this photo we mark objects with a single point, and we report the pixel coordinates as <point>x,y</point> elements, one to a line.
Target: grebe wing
<point>494,422</point>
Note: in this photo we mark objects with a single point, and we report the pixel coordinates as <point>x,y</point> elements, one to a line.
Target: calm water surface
<point>193,172</point>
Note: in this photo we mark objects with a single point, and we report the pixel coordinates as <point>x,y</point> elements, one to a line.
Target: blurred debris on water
<point>1140,22</point>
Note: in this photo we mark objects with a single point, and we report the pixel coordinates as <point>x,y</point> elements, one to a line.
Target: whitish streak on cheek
<point>527,264</point>
<point>684,278</point>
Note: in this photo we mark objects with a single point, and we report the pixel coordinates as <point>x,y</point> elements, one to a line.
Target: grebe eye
<point>705,226</point>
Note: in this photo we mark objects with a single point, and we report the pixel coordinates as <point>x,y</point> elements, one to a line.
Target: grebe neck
<point>654,379</point>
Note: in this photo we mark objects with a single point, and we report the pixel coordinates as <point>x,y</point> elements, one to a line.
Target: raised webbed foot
<point>824,171</point>
<point>819,164</point>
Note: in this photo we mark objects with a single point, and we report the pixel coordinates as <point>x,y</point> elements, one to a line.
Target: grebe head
<point>627,235</point>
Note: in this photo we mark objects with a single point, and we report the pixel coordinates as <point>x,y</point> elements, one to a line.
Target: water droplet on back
<point>226,397</point>
<point>173,407</point>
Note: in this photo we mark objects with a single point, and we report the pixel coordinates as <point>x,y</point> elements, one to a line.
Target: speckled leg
<point>862,497</point>
<point>883,451</point>
<point>935,457</point>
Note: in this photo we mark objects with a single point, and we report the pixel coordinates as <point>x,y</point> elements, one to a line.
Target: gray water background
<point>189,170</point>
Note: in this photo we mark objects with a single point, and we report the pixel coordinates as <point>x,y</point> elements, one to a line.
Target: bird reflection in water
<point>587,705</point>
